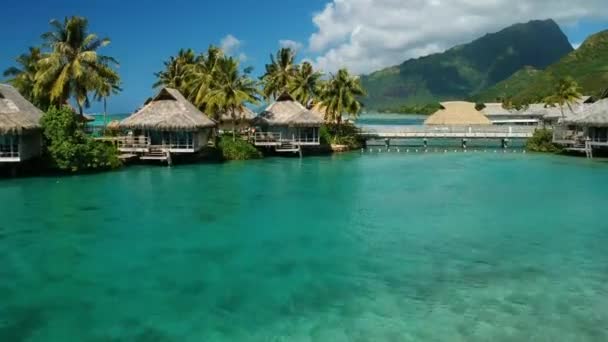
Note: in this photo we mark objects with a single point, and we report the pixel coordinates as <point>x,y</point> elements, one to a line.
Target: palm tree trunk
<point>105,114</point>
<point>233,129</point>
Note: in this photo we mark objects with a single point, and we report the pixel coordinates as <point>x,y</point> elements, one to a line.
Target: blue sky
<point>358,34</point>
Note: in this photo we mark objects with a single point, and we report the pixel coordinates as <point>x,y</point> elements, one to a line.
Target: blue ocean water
<point>352,247</point>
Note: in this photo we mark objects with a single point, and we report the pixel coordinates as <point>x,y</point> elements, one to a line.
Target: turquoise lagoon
<point>354,247</point>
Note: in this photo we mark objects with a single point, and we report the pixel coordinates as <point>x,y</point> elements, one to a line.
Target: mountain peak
<point>468,68</point>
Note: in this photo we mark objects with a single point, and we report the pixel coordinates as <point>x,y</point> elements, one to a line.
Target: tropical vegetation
<point>66,67</point>
<point>542,141</point>
<point>237,149</point>
<point>68,148</point>
<point>215,84</point>
<point>212,81</point>
<point>565,93</point>
<point>340,95</point>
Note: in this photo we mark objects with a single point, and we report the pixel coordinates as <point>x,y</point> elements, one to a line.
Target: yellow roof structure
<point>457,113</point>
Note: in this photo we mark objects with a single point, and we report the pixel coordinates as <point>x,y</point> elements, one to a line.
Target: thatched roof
<point>244,115</point>
<point>17,113</point>
<point>169,111</point>
<point>554,112</point>
<point>594,115</point>
<point>458,113</point>
<point>496,109</point>
<point>286,111</point>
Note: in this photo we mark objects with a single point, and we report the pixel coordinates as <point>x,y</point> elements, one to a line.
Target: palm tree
<point>230,91</point>
<point>73,68</point>
<point>279,73</point>
<point>340,96</point>
<point>201,76</point>
<point>23,78</point>
<point>305,86</point>
<point>107,86</point>
<point>177,70</point>
<point>566,93</point>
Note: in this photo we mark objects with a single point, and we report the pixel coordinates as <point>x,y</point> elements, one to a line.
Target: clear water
<point>356,247</point>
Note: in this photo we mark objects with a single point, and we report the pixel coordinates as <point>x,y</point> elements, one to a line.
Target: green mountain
<point>588,65</point>
<point>467,69</point>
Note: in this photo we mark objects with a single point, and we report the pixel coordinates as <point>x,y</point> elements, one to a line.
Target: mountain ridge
<point>587,65</point>
<point>467,69</point>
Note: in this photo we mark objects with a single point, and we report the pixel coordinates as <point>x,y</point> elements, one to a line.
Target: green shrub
<point>343,134</point>
<point>68,148</point>
<point>238,149</point>
<point>542,141</point>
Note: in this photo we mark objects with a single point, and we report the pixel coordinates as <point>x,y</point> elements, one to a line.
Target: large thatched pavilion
<point>20,131</point>
<point>458,113</point>
<point>167,124</point>
<point>287,125</point>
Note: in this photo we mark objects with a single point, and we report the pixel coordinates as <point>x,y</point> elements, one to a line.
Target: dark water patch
<point>206,217</point>
<point>231,302</point>
<point>19,324</point>
<point>88,208</point>
<point>193,289</point>
<point>150,334</point>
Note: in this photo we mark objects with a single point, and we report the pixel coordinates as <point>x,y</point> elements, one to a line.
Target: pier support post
<point>505,143</point>
<point>387,143</point>
<point>464,143</point>
<point>425,142</point>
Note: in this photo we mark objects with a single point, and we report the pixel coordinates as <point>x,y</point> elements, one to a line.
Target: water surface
<point>356,247</point>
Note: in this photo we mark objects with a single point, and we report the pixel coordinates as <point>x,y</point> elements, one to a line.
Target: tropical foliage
<point>69,149</point>
<point>566,93</point>
<point>23,77</point>
<point>280,73</point>
<point>341,96</point>
<point>238,149</point>
<point>542,141</point>
<point>177,70</point>
<point>229,91</point>
<point>212,81</point>
<point>67,66</point>
<point>305,86</point>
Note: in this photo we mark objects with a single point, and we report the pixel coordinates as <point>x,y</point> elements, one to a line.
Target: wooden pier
<point>449,132</point>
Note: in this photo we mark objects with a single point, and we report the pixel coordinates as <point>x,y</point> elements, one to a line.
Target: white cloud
<point>292,44</point>
<point>576,45</point>
<point>231,46</point>
<point>365,35</point>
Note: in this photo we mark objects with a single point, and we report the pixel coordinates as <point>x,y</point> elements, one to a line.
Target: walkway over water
<point>449,132</point>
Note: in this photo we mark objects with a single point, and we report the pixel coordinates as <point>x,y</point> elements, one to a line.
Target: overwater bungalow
<point>458,113</point>
<point>168,124</point>
<point>239,122</point>
<point>499,115</point>
<point>287,126</point>
<point>20,131</point>
<point>586,132</point>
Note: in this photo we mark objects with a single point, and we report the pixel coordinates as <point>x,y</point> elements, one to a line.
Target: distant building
<point>502,116</point>
<point>20,131</point>
<point>458,113</point>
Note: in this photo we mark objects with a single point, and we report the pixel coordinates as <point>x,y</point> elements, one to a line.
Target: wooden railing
<point>486,131</point>
<point>271,138</point>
